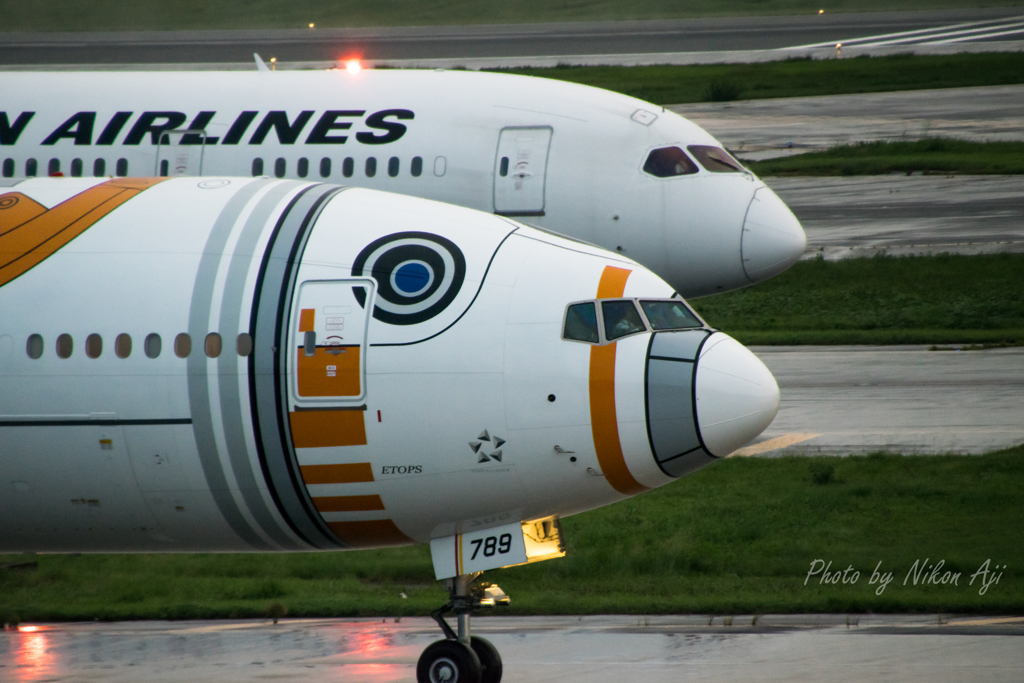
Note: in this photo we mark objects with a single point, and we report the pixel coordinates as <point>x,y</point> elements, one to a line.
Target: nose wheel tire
<point>490,660</point>
<point>449,661</point>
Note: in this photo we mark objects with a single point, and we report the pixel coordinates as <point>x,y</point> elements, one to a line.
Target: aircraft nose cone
<point>773,239</point>
<point>737,397</point>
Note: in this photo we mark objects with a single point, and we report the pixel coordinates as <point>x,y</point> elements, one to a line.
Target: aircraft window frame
<point>31,168</point>
<point>596,326</point>
<point>639,325</point>
<point>655,328</point>
<point>122,168</point>
<point>302,167</point>
<point>8,168</point>
<point>703,153</point>
<point>416,167</point>
<point>280,167</point>
<point>394,166</point>
<point>691,167</point>
<point>370,167</point>
<point>53,168</point>
<point>257,167</point>
<point>348,167</point>
<point>213,345</point>
<point>99,168</point>
<point>244,344</point>
<point>76,168</point>
<point>648,327</point>
<point>325,167</point>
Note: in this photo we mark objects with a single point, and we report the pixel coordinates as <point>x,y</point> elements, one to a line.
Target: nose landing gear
<point>462,657</point>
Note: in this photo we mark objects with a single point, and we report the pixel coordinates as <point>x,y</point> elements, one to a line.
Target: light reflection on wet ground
<point>593,649</point>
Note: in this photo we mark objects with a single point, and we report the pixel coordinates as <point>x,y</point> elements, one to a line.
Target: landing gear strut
<point>462,657</point>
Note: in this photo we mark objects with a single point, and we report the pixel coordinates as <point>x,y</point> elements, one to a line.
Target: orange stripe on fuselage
<point>604,422</point>
<point>376,533</point>
<point>327,428</point>
<point>350,473</point>
<point>29,236</point>
<point>348,503</point>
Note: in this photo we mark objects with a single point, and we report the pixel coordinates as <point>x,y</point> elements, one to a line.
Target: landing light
<point>28,629</point>
<point>353,66</point>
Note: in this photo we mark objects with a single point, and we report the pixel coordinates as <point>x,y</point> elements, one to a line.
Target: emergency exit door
<point>328,349</point>
<point>520,169</point>
<point>180,153</point>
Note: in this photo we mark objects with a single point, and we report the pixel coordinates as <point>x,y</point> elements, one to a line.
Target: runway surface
<point>564,40</point>
<point>842,400</point>
<point>790,648</point>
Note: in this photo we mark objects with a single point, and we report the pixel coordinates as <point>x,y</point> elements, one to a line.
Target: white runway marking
<point>953,33</point>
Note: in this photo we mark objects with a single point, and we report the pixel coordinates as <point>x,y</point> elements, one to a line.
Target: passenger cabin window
<point>31,168</point>
<point>371,167</point>
<point>76,168</point>
<point>668,162</point>
<point>213,345</point>
<point>325,167</point>
<point>416,167</point>
<point>348,167</point>
<point>65,346</point>
<point>280,168</point>
<point>503,167</point>
<point>715,159</point>
<point>122,168</point>
<point>164,167</point>
<point>581,323</point>
<point>393,167</point>
<point>244,344</point>
<point>34,346</point>
<point>54,167</point>
<point>182,345</point>
<point>123,345</point>
<point>669,315</point>
<point>257,167</point>
<point>303,167</point>
<point>99,168</point>
<point>621,319</point>
<point>94,346</point>
<point>153,345</point>
<point>8,168</point>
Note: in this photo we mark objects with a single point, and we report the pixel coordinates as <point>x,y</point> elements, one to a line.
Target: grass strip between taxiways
<point>929,156</point>
<point>800,77</point>
<point>159,15</point>
<point>944,299</point>
<point>738,537</point>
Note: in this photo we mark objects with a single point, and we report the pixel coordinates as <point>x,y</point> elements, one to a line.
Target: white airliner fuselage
<point>599,166</point>
<point>253,365</point>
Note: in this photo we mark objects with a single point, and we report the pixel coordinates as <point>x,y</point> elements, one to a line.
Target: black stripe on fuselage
<point>58,422</point>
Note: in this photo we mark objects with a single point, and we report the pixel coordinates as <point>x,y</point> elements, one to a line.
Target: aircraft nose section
<point>773,239</point>
<point>707,395</point>
<point>737,397</point>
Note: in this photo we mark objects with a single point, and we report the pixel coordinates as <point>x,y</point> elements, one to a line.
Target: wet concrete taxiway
<point>820,648</point>
<point>841,400</point>
<point>761,129</point>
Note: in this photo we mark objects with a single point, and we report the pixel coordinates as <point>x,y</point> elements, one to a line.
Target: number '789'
<point>492,545</point>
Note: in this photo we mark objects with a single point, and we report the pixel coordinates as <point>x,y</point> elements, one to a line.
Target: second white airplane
<point>592,164</point>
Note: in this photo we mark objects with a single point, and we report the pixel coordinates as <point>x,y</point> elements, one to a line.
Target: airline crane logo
<point>331,127</point>
<point>30,233</point>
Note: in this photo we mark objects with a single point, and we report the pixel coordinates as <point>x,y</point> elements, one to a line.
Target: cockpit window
<point>621,318</point>
<point>669,161</point>
<point>715,159</point>
<point>669,315</point>
<point>581,323</point>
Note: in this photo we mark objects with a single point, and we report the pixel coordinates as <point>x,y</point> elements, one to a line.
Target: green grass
<point>882,300</point>
<point>737,537</point>
<point>75,15</point>
<point>930,155</point>
<point>802,77</point>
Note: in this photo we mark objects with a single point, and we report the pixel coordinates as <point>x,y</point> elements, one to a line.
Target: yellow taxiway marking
<point>773,444</point>
<point>984,622</point>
